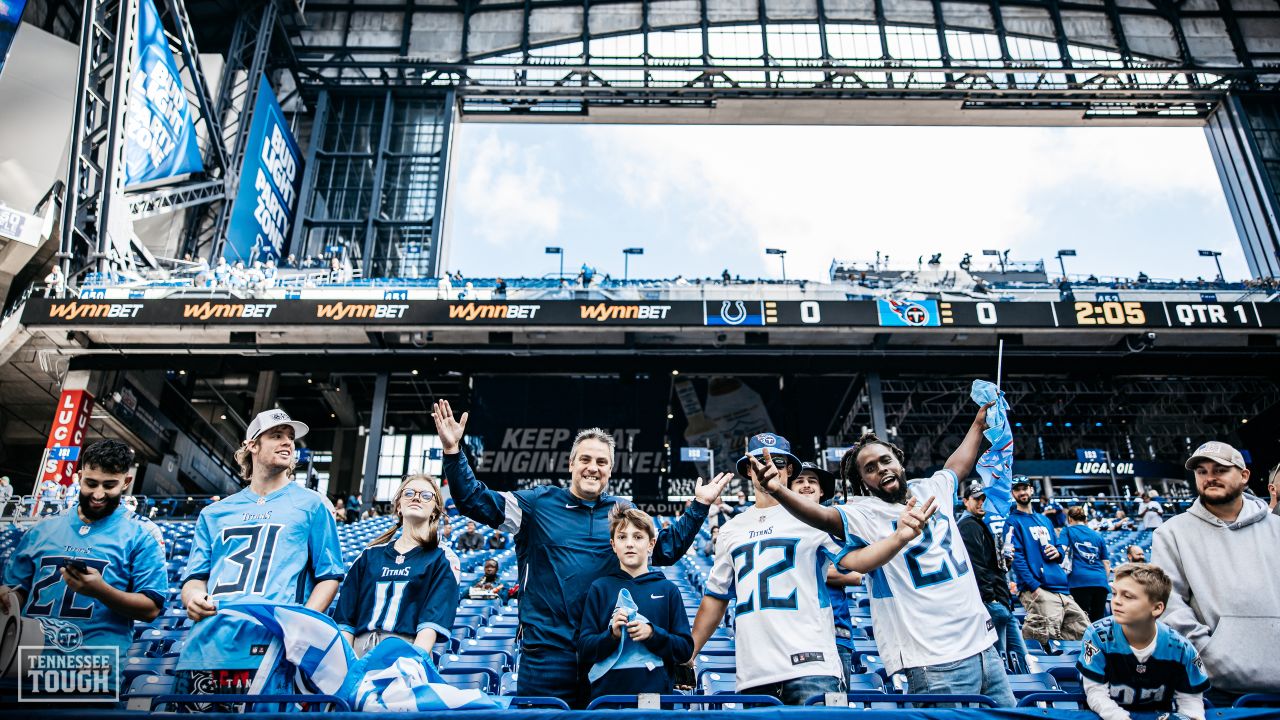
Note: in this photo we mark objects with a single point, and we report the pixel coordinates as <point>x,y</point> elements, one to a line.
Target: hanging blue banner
<point>262,216</point>
<point>160,136</point>
<point>10,18</point>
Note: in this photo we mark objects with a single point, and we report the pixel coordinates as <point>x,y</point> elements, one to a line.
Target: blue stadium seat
<point>507,685</point>
<point>132,667</point>
<point>470,678</point>
<point>714,683</point>
<point>1032,683</point>
<point>866,682</point>
<point>148,684</point>
<point>490,632</point>
<point>497,662</point>
<point>706,664</point>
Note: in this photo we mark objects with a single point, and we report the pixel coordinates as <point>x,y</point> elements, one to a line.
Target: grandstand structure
<point>173,355</point>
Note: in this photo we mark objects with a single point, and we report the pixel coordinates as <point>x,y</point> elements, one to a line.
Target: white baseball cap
<point>268,419</point>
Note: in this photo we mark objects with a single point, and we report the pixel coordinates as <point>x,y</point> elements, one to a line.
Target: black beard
<point>1224,500</point>
<point>897,497</point>
<point>109,506</point>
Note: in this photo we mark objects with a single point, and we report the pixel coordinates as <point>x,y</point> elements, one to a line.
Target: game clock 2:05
<point>1110,313</point>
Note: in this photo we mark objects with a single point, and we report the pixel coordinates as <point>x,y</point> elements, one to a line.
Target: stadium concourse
<point>482,654</point>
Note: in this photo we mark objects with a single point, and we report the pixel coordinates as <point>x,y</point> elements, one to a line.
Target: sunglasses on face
<point>780,462</point>
<point>426,495</point>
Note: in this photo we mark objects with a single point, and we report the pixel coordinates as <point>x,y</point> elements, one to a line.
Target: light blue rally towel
<point>995,467</point>
<point>630,653</point>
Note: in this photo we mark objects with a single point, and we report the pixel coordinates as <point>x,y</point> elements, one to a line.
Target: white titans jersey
<point>772,569</point>
<point>925,605</point>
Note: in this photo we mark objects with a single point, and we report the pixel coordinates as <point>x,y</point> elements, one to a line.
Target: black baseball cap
<point>974,487</point>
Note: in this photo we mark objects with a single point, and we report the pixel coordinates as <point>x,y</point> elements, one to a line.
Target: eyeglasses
<point>426,495</point>
<point>780,462</point>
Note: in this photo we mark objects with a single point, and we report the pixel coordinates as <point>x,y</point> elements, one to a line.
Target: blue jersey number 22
<point>950,567</point>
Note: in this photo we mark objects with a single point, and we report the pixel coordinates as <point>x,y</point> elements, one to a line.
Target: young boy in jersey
<point>1131,662</point>
<point>928,615</point>
<point>401,586</point>
<point>770,565</point>
<point>97,568</point>
<point>273,540</point>
<point>654,620</point>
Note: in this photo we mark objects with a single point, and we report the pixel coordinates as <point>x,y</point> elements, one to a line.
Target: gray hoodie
<point>1226,591</point>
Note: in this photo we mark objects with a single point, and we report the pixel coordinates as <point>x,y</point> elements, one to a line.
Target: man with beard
<point>97,568</point>
<point>1221,556</point>
<point>274,540</point>
<point>925,606</point>
<point>1052,614</point>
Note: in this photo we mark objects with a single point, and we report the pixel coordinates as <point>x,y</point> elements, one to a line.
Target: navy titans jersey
<point>1148,686</point>
<point>392,592</point>
<point>119,546</point>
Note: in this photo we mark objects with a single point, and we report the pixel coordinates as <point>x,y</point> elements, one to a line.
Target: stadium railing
<point>1253,700</point>
<point>312,703</point>
<point>1056,699</point>
<point>906,699</point>
<point>673,701</point>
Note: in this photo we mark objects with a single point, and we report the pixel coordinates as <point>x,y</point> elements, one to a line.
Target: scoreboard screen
<point>898,314</point>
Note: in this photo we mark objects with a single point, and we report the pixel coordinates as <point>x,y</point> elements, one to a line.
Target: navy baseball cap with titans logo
<point>776,445</point>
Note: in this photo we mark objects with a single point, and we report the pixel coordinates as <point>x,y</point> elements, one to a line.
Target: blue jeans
<point>796,690</point>
<point>981,674</point>
<point>1009,642</point>
<point>846,661</point>
<point>550,672</point>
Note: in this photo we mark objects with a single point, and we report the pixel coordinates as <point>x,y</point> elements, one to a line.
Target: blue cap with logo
<point>777,446</point>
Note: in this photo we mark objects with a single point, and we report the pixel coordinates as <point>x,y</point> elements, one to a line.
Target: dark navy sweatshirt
<point>659,602</point>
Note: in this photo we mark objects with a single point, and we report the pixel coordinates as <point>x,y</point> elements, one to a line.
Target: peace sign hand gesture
<point>912,520</point>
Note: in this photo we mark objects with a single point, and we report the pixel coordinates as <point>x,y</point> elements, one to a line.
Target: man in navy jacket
<point>562,545</point>
<point>1052,614</point>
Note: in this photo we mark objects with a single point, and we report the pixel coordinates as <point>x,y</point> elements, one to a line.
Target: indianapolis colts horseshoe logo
<point>739,312</point>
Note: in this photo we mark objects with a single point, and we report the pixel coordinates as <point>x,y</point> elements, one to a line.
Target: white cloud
<point>838,192</point>
<point>509,193</point>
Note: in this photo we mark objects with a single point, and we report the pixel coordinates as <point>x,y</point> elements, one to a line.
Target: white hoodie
<point>1226,591</point>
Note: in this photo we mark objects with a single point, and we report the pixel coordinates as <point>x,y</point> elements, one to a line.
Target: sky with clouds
<point>700,199</point>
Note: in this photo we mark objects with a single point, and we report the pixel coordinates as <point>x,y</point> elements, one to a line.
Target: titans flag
<point>995,467</point>
<point>908,313</point>
<point>10,19</point>
<point>394,676</point>
<point>160,136</point>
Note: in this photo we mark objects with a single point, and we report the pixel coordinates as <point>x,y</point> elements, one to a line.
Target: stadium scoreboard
<point>727,314</point>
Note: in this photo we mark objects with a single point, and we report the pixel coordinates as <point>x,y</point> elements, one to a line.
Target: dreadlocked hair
<point>849,462</point>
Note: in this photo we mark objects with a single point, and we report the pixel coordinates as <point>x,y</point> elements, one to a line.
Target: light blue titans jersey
<point>118,546</point>
<point>275,548</point>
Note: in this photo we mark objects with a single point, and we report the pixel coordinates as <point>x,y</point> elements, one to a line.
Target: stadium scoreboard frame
<point>722,314</point>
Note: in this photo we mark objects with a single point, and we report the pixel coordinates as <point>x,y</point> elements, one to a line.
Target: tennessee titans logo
<point>61,634</point>
<point>767,440</point>
<point>911,313</point>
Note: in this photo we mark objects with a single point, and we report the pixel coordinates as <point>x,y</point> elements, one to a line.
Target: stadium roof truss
<point>1088,60</point>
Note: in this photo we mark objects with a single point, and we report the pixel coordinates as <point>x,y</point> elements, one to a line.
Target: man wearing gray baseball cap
<point>1221,556</point>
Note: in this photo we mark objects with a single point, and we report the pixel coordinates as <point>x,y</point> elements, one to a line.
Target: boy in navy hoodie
<point>634,629</point>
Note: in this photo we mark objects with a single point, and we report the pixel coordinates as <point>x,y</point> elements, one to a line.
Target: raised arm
<point>674,542</point>
<point>473,499</point>
<point>965,457</point>
<point>826,519</point>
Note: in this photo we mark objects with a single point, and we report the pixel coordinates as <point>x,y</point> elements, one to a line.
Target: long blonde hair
<point>428,537</point>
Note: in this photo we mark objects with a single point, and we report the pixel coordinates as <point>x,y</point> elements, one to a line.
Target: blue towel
<point>630,653</point>
<point>995,467</point>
